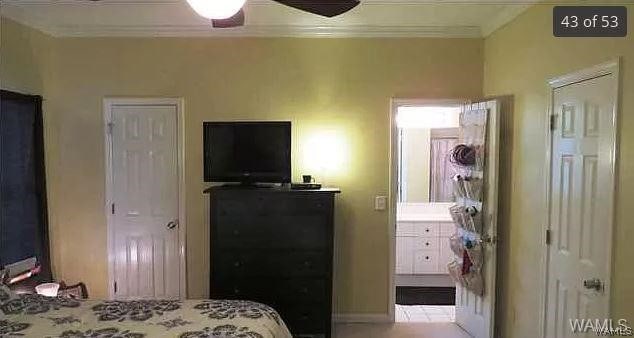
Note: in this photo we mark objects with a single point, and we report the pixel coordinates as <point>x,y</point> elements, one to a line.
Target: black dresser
<point>275,246</point>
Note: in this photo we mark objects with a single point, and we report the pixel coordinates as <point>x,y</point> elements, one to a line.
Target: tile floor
<point>425,313</point>
<point>400,330</point>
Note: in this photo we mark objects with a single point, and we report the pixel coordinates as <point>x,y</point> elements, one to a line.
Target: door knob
<point>172,224</point>
<point>593,284</point>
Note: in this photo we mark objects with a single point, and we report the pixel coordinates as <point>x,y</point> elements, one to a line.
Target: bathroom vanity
<point>422,244</point>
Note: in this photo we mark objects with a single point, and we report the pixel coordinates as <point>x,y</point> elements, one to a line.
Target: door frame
<point>393,188</point>
<point>108,104</point>
<point>606,68</point>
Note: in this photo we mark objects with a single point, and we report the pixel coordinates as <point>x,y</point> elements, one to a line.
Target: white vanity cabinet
<point>422,247</point>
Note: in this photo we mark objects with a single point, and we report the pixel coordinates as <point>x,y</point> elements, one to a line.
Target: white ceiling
<point>372,18</point>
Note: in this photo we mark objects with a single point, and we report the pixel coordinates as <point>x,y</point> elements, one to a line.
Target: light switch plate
<point>380,203</point>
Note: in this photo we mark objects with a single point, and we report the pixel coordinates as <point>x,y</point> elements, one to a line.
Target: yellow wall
<point>519,59</point>
<point>24,64</point>
<point>339,87</point>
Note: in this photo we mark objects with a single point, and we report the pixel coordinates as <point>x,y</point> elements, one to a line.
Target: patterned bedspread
<point>39,316</point>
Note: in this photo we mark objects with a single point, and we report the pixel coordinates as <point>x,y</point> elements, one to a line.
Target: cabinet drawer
<point>446,255</point>
<point>427,229</point>
<point>427,243</point>
<point>425,262</point>
<point>406,229</point>
<point>404,255</point>
<point>446,229</point>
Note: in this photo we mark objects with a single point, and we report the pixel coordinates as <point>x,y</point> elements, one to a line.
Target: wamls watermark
<point>601,327</point>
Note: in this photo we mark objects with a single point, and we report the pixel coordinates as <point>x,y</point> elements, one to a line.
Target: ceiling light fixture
<point>216,9</point>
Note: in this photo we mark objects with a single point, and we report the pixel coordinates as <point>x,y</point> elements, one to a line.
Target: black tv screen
<point>248,152</point>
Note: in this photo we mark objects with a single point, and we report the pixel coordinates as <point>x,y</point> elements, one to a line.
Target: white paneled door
<point>144,201</point>
<point>475,313</point>
<point>581,188</point>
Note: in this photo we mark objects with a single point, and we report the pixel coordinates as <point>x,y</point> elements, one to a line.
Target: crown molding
<point>504,17</point>
<point>262,2</point>
<point>19,10</point>
<point>265,31</point>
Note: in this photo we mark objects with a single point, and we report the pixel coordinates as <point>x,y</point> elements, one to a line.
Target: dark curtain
<point>23,219</point>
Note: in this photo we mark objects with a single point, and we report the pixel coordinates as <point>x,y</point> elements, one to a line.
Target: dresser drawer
<point>277,264</point>
<point>301,264</point>
<point>229,207</point>
<point>272,291</point>
<point>298,205</point>
<point>272,232</point>
<point>306,319</point>
<point>302,290</point>
<point>263,205</point>
<point>231,263</point>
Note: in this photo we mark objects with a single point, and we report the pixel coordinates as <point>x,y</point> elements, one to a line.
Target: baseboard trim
<point>362,318</point>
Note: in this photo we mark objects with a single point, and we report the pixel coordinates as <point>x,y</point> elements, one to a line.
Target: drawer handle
<point>237,264</point>
<point>427,243</point>
<point>427,257</point>
<point>426,230</point>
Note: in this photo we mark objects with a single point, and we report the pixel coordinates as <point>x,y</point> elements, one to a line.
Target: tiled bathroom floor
<point>425,313</point>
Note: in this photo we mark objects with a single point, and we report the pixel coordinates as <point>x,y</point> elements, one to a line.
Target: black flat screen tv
<point>247,152</point>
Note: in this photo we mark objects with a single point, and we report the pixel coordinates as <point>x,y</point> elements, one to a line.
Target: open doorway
<point>422,239</point>
<point>426,133</point>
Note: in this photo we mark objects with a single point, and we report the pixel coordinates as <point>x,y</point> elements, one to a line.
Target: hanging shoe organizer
<point>468,160</point>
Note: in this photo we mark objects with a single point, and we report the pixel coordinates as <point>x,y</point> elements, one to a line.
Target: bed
<point>31,315</point>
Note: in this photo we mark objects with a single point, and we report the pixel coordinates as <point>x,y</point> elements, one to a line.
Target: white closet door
<point>145,199</point>
<point>581,190</point>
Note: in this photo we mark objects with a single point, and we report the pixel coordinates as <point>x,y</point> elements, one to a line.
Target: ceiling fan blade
<point>328,8</point>
<point>235,21</point>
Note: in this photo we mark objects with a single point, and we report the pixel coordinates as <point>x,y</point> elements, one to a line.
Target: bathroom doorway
<point>426,133</point>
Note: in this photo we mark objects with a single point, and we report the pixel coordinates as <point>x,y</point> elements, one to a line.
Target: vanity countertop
<point>423,212</point>
<point>424,218</point>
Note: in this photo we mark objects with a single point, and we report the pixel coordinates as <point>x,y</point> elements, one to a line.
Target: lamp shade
<point>216,9</point>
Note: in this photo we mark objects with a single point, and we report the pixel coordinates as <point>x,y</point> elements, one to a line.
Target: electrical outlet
<point>380,203</point>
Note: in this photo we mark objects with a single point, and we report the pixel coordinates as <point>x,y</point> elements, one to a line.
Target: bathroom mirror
<point>426,136</point>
